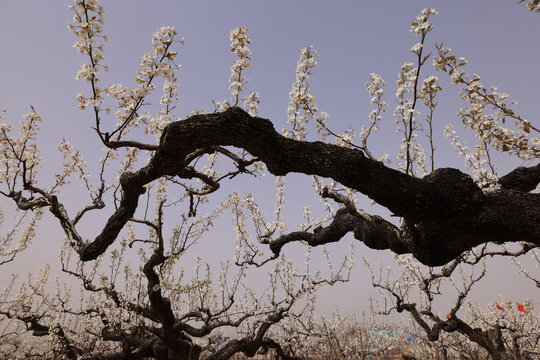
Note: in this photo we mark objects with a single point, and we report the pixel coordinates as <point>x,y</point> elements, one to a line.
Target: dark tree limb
<point>522,178</point>
<point>27,204</point>
<point>377,235</point>
<point>446,212</point>
<point>250,344</point>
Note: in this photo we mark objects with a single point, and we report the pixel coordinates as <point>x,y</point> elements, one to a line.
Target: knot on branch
<point>458,190</point>
<point>128,184</point>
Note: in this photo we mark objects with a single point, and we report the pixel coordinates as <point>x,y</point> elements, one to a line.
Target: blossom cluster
<point>302,104</point>
<point>159,62</point>
<point>487,111</point>
<point>88,27</point>
<point>375,88</point>
<point>476,160</point>
<point>20,159</point>
<point>73,164</point>
<point>408,93</point>
<point>428,92</point>
<point>20,155</point>
<point>28,222</point>
<point>239,46</point>
<point>532,5</point>
<point>411,151</point>
<point>422,26</point>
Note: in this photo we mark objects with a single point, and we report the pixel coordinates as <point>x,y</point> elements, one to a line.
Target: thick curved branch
<point>376,235</point>
<point>446,211</point>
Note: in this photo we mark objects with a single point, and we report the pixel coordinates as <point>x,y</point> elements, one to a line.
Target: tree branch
<point>446,210</point>
<point>522,178</point>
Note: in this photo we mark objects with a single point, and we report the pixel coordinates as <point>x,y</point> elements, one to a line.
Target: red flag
<point>521,307</point>
<point>499,306</point>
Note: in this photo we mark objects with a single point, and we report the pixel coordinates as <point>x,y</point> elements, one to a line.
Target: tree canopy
<point>443,217</point>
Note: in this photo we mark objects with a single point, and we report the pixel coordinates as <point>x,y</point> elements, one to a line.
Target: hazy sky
<point>353,39</point>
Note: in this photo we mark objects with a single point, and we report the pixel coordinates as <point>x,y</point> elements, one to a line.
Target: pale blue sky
<point>353,38</point>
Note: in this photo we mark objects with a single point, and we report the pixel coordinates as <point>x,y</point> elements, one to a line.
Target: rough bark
<point>445,212</point>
